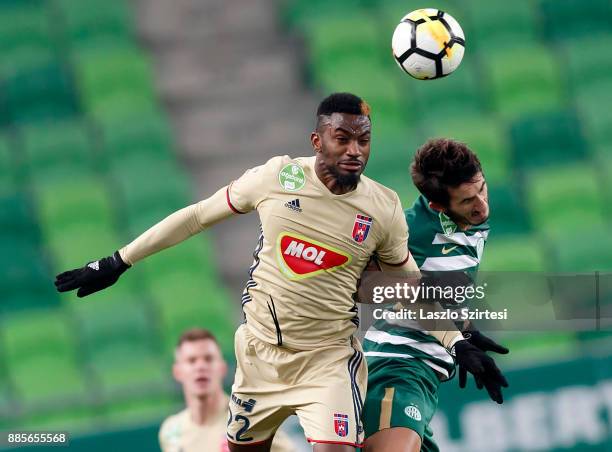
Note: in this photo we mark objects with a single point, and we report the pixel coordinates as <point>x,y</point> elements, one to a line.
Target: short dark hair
<point>343,103</point>
<point>195,334</point>
<point>441,163</point>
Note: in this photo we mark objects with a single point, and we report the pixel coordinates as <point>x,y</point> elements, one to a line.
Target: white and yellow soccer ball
<point>428,44</point>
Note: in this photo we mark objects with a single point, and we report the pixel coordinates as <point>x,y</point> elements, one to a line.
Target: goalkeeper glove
<point>472,359</point>
<point>94,276</point>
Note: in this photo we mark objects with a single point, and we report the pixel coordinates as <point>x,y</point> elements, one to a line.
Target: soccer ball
<point>428,43</point>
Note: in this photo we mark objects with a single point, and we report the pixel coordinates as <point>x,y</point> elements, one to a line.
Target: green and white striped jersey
<point>437,244</point>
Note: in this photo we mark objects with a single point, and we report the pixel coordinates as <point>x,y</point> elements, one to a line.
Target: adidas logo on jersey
<point>294,205</point>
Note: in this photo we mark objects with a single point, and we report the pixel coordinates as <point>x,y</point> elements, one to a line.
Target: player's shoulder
<point>171,428</point>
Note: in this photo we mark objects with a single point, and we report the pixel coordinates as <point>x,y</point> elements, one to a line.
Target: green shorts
<point>401,393</point>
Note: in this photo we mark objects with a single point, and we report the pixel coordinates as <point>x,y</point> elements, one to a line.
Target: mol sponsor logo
<point>300,257</point>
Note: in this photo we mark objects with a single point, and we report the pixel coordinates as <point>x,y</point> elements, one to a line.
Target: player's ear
<point>315,140</point>
<point>176,372</point>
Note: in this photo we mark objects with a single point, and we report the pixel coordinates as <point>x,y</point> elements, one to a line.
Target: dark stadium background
<point>115,113</point>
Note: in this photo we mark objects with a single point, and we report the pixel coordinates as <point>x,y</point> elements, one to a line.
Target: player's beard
<point>344,180</point>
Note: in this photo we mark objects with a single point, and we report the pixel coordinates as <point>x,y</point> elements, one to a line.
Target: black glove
<point>486,373</point>
<point>94,276</point>
<point>485,344</point>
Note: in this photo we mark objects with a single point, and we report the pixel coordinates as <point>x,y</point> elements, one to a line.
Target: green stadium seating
<point>569,19</point>
<point>96,19</point>
<point>123,367</point>
<point>125,135</point>
<point>508,213</point>
<point>24,278</point>
<point>595,115</point>
<point>25,37</point>
<point>80,419</point>
<point>518,253</point>
<point>301,14</point>
<point>115,81</point>
<point>583,250</point>
<point>564,199</point>
<point>41,93</point>
<point>152,408</point>
<point>333,40</point>
<point>64,147</point>
<point>192,258</point>
<point>450,97</point>
<point>7,167</point>
<point>588,62</point>
<point>17,217</point>
<point>81,243</point>
<point>491,28</point>
<point>482,134</point>
<point>547,139</point>
<point>524,79</point>
<point>40,349</point>
<point>380,86</point>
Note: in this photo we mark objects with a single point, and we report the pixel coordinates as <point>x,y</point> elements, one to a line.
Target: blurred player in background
<point>448,230</point>
<point>200,368</point>
<point>321,222</point>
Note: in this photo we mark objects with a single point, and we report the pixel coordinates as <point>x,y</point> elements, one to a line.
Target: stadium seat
<point>588,62</point>
<point>450,97</point>
<point>100,326</point>
<point>115,77</point>
<point>379,85</point>
<point>519,253</point>
<point>80,200</point>
<point>300,14</point>
<point>148,134</point>
<point>95,20</point>
<point>483,135</point>
<point>547,139</point>
<point>25,37</point>
<point>81,419</point>
<point>331,40</point>
<point>524,79</point>
<point>25,276</point>
<point>509,214</point>
<point>565,198</point>
<point>595,115</point>
<point>81,243</point>
<point>138,410</point>
<point>41,93</point>
<point>41,355</point>
<point>64,147</point>
<point>17,218</point>
<point>492,27</point>
<point>127,366</point>
<point>567,19</point>
<point>583,250</point>
<point>192,257</point>
<point>7,176</point>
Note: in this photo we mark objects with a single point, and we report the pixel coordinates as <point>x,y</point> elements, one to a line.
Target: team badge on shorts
<point>341,424</point>
<point>361,227</point>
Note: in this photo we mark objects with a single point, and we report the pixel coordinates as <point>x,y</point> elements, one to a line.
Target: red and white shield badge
<point>361,227</point>
<point>341,424</point>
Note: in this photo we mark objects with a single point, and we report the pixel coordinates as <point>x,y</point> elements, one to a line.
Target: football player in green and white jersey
<point>448,231</point>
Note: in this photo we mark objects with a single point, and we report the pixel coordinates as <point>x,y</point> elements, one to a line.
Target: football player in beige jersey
<point>321,221</point>
<point>200,368</point>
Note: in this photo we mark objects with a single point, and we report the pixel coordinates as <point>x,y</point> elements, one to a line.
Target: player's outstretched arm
<point>177,227</point>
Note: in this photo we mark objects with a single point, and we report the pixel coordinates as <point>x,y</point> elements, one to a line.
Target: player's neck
<point>203,409</point>
<point>331,181</point>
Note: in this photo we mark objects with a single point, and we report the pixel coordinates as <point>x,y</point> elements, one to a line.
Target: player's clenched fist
<point>94,276</point>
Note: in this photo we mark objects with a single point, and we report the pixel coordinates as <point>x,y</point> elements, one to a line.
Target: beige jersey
<point>178,433</point>
<point>313,248</point>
